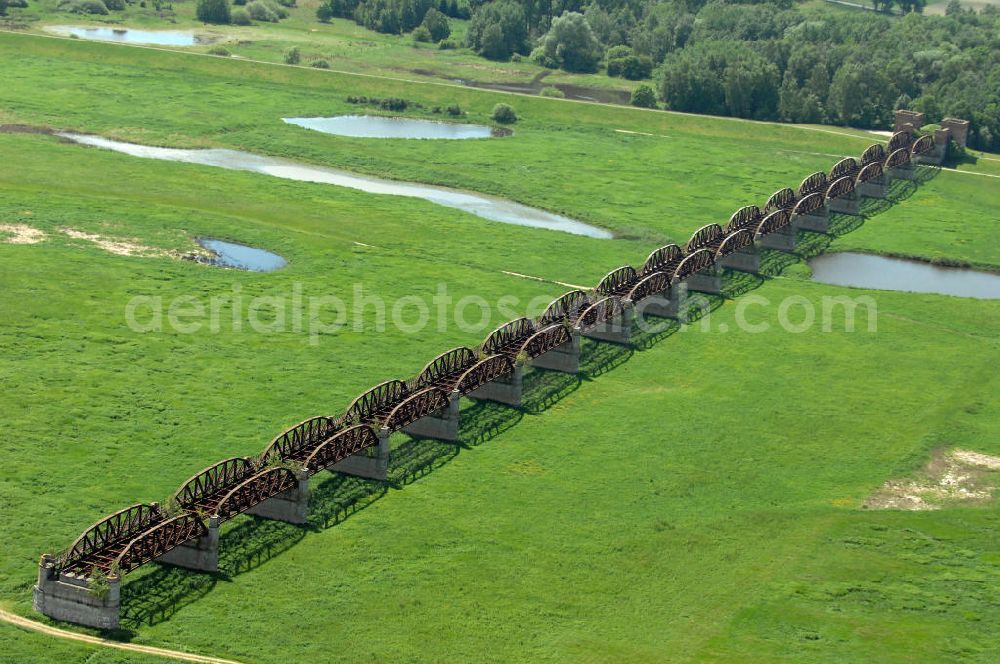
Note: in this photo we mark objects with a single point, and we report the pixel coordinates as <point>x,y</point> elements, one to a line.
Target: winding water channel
<point>481,205</point>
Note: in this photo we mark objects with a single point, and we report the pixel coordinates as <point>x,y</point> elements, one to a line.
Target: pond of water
<point>130,36</point>
<point>373,126</point>
<point>230,254</point>
<point>481,205</point>
<point>883,273</point>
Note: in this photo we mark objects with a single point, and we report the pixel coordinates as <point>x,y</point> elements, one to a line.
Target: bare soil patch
<point>956,477</point>
<point>119,246</point>
<point>20,234</point>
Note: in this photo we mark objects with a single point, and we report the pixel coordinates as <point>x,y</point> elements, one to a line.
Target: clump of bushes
<point>421,34</point>
<point>504,114</point>
<point>221,51</point>
<point>436,24</point>
<point>213,11</point>
<point>320,64</point>
<point>84,7</point>
<point>240,16</point>
<point>17,4</point>
<point>447,44</point>
<point>550,91</point>
<point>644,97</point>
<point>293,56</point>
<point>388,104</point>
<point>266,11</point>
<point>455,110</point>
<point>622,62</point>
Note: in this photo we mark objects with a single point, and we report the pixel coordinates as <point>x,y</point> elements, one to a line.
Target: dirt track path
<point>34,626</point>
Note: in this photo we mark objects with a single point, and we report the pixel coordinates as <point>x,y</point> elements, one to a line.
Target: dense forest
<point>774,60</point>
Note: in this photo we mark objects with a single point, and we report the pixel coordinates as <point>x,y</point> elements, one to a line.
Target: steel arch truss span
<point>297,441</point>
<point>665,259</point>
<point>899,141</point>
<point>375,405</point>
<point>841,187</point>
<point>870,173</point>
<point>509,338</point>
<point>416,406</point>
<point>485,371</point>
<point>845,168</point>
<point>815,183</point>
<point>872,154</point>
<point>445,370</point>
<point>158,540</point>
<point>255,490</point>
<point>546,339</point>
<point>341,445</point>
<point>707,237</point>
<point>733,243</point>
<point>566,307</point>
<point>693,264</point>
<point>652,284</point>
<point>100,544</point>
<point>203,491</point>
<point>619,281</point>
<point>898,159</point>
<point>783,199</point>
<point>773,222</point>
<point>600,312</point>
<point>748,217</point>
<point>810,203</point>
<point>922,145</point>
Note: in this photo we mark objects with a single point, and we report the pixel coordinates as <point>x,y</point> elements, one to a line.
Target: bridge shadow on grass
<point>251,541</point>
<point>871,207</point>
<point>842,224</point>
<point>900,190</point>
<point>927,172</point>
<point>417,457</point>
<point>543,389</point>
<point>157,595</point>
<point>340,496</point>
<point>736,284</point>
<point>483,421</point>
<point>774,262</point>
<point>811,244</point>
<point>651,330</point>
<point>598,358</point>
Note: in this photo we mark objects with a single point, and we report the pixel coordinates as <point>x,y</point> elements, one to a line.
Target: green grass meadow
<point>696,497</point>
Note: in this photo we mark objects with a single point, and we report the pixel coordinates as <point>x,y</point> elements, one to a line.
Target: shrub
<point>447,44</point>
<point>539,57</point>
<point>293,56</point>
<point>287,3</point>
<point>550,91</point>
<point>113,5</point>
<point>571,43</point>
<point>644,97</point>
<point>421,34</point>
<point>504,114</point>
<point>89,7</point>
<point>18,4</point>
<point>240,16</point>
<point>220,51</point>
<point>261,10</point>
<point>618,52</point>
<point>239,2</point>
<point>394,104</point>
<point>213,11</point>
<point>454,109</point>
<point>436,25</point>
<point>516,57</point>
<point>320,64</point>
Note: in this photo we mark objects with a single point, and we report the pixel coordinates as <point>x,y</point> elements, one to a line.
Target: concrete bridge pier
<point>565,358</point>
<point>874,188</point>
<point>781,240</point>
<point>618,330</point>
<point>369,467</point>
<point>669,306</point>
<point>817,222</point>
<point>506,389</point>
<point>68,597</point>
<point>442,425</point>
<point>291,506</point>
<point>846,204</point>
<point>907,172</point>
<point>744,260</point>
<point>200,554</point>
<point>709,281</point>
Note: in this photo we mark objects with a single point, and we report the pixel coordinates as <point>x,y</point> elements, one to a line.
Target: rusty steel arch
<point>813,184</point>
<point>810,203</point>
<point>339,446</point>
<point>255,490</point>
<point>694,263</point>
<point>509,337</point>
<point>203,491</point>
<point>565,307</point>
<point>783,199</point>
<point>870,173</point>
<point>416,406</point>
<point>846,167</point>
<point>665,259</point>
<point>546,339</point>
<point>733,243</point>
<point>921,146</point>
<point>652,284</point>
<point>109,533</point>
<point>708,236</point>
<point>873,153</point>
<point>485,371</point>
<point>898,141</point>
<point>376,403</point>
<point>841,187</point>
<point>157,541</point>
<point>897,159</point>
<point>446,368</point>
<point>748,217</point>
<point>773,222</point>
<point>302,436</point>
<point>619,281</point>
<point>600,312</point>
